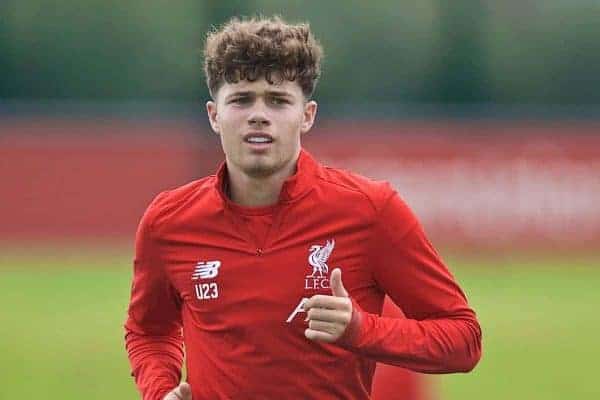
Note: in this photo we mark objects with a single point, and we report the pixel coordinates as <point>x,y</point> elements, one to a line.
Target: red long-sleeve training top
<point>228,282</point>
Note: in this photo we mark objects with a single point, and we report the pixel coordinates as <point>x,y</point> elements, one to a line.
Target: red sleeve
<point>440,333</point>
<point>153,336</point>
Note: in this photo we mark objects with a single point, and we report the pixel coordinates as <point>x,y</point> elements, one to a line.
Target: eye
<point>279,100</point>
<point>240,100</point>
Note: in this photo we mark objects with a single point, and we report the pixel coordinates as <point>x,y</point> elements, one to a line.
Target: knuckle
<point>318,298</point>
<point>347,318</point>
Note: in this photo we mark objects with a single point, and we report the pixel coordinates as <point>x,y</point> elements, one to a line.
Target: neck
<point>251,191</point>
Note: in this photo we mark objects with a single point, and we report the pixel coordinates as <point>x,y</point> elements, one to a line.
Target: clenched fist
<point>181,392</point>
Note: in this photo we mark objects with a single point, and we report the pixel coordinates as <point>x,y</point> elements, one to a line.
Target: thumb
<point>181,392</point>
<point>335,281</point>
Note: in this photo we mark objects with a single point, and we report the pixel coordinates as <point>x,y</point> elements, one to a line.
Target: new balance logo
<point>206,270</point>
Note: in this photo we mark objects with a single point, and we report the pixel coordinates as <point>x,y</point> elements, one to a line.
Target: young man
<point>273,271</point>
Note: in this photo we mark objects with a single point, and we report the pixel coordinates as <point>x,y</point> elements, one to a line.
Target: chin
<point>260,169</point>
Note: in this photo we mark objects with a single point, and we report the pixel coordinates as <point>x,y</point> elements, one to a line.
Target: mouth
<point>258,140</point>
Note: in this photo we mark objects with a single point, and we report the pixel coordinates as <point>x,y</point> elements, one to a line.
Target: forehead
<point>261,86</point>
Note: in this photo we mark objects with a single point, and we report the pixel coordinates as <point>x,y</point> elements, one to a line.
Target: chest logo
<point>317,258</point>
<point>206,270</point>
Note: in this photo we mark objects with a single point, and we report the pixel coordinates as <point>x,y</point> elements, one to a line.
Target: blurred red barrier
<point>472,184</point>
<point>91,179</point>
<point>483,185</point>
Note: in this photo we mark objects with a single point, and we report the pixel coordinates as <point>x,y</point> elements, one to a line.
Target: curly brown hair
<point>251,48</point>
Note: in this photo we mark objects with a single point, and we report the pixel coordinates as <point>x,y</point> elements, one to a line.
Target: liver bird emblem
<point>318,258</point>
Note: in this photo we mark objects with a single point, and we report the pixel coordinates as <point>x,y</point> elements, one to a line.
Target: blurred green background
<point>431,51</point>
<point>75,67</point>
<point>60,333</point>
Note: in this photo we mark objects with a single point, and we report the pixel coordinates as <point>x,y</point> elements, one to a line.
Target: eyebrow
<point>241,93</point>
<point>268,92</point>
<point>278,93</point>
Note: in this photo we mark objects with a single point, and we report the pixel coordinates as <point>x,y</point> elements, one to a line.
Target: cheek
<point>292,123</point>
<point>231,122</point>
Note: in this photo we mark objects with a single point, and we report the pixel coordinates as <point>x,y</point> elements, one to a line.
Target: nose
<point>258,115</point>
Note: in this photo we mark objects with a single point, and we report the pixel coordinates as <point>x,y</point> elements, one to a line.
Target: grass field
<point>61,335</point>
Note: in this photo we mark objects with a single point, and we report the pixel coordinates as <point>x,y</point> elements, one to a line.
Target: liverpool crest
<point>317,260</point>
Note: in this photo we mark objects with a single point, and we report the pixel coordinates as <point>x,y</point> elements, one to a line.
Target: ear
<point>308,117</point>
<point>213,116</point>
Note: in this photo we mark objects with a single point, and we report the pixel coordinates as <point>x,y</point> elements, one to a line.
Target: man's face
<point>260,124</point>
